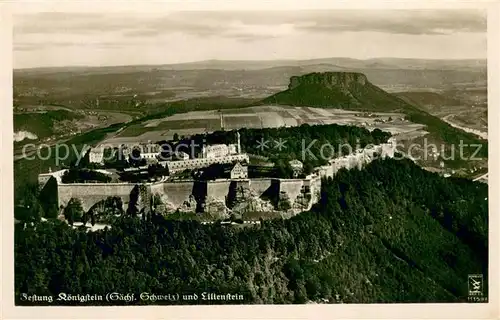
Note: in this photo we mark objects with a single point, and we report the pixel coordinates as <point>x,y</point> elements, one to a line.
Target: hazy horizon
<point>56,39</point>
<point>241,60</point>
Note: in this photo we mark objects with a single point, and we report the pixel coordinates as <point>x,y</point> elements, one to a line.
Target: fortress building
<point>177,166</point>
<point>215,151</point>
<point>297,167</point>
<point>149,155</point>
<point>210,154</point>
<point>174,156</point>
<point>221,150</point>
<point>217,196</point>
<point>96,155</point>
<point>239,171</point>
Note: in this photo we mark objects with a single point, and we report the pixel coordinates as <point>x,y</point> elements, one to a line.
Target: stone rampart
<point>176,194</point>
<point>259,186</point>
<point>218,190</point>
<point>91,193</point>
<point>292,188</point>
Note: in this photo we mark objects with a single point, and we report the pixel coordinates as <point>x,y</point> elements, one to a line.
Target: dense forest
<point>389,233</point>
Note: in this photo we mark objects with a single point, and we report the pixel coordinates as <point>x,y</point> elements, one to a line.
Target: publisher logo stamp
<point>475,284</point>
<point>476,288</point>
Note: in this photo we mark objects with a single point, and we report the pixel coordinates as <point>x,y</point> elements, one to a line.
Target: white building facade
<point>239,171</point>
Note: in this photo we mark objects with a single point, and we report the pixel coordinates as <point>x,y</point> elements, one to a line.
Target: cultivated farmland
<point>186,124</point>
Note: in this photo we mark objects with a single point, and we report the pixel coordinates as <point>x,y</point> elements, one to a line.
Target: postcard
<point>244,160</point>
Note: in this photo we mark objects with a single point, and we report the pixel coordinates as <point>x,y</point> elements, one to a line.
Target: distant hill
<point>61,85</point>
<point>342,90</point>
<point>379,63</point>
<point>353,91</point>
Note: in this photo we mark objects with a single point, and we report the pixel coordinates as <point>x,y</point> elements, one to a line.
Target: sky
<point>48,39</point>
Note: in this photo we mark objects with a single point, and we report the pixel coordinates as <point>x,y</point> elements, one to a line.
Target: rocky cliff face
<point>341,90</point>
<point>329,79</point>
<point>140,200</point>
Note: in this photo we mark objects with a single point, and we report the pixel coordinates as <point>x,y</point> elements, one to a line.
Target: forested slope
<point>353,91</point>
<point>389,233</point>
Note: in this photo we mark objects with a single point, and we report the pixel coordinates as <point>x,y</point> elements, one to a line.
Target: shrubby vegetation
<point>389,233</point>
<point>153,171</point>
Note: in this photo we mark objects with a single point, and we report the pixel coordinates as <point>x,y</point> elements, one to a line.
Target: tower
<point>221,120</point>
<point>204,152</point>
<point>238,143</point>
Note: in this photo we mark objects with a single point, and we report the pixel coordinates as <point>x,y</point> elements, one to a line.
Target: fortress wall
<point>291,187</point>
<point>176,192</point>
<point>218,189</point>
<point>156,188</point>
<point>388,149</point>
<point>327,171</point>
<point>315,189</point>
<point>91,193</point>
<point>259,186</point>
<point>356,160</point>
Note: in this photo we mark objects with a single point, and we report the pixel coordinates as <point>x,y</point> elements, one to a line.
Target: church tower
<point>221,120</point>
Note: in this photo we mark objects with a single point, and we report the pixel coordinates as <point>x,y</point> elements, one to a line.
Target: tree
<point>135,157</point>
<point>73,211</point>
<point>30,208</point>
<point>284,170</point>
<point>308,168</point>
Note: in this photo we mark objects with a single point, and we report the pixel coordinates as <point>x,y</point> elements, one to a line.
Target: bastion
<point>179,195</point>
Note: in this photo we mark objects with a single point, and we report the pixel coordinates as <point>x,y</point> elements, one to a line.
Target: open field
<point>258,117</point>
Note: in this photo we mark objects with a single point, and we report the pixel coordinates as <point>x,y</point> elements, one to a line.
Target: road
<point>481,134</point>
<point>482,177</point>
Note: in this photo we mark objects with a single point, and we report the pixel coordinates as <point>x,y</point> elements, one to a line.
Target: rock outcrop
<point>189,205</point>
<point>102,210</point>
<point>253,204</point>
<point>341,90</point>
<point>329,80</point>
<point>303,199</point>
<point>216,209</point>
<point>140,200</point>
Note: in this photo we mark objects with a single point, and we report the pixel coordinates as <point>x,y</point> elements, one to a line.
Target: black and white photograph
<point>250,157</point>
